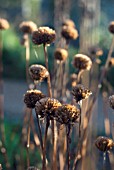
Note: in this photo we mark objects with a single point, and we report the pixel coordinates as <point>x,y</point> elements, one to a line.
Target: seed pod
<point>61,54</point>
<point>82,62</point>
<point>38,72</point>
<point>111,101</point>
<point>47,107</point>
<point>67,114</point>
<point>4,25</point>
<point>27,27</point>
<point>104,143</point>
<point>69,33</point>
<point>69,22</point>
<point>32,96</point>
<point>43,35</point>
<point>80,92</point>
<point>111,27</point>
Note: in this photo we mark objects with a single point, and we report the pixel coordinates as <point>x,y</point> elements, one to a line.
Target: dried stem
<point>27,58</point>
<point>88,112</point>
<point>68,128</point>
<point>44,148</point>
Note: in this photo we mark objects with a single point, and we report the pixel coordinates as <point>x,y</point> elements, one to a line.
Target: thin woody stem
<point>27,58</point>
<point>68,145</point>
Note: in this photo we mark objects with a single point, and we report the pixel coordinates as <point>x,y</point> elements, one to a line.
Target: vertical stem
<point>44,148</point>
<point>27,58</point>
<point>68,145</point>
<point>54,133</point>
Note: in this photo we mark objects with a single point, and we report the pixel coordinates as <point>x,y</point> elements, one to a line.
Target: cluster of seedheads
<point>53,111</point>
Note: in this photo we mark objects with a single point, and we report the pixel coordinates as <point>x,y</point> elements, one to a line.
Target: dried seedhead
<point>74,79</point>
<point>111,101</point>
<point>111,27</point>
<point>104,143</point>
<point>82,62</point>
<point>43,35</point>
<point>80,92</point>
<point>96,51</point>
<point>68,22</point>
<point>4,25</point>
<point>38,72</point>
<point>111,62</point>
<point>67,114</point>
<point>27,27</point>
<point>31,97</point>
<point>61,54</point>
<point>69,33</point>
<point>46,107</point>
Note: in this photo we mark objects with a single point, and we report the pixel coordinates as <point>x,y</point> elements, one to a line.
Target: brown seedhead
<point>111,27</point>
<point>104,143</point>
<point>80,92</point>
<point>27,27</point>
<point>67,114</point>
<point>82,62</point>
<point>47,107</point>
<point>96,51</point>
<point>68,22</point>
<point>43,35</point>
<point>4,25</point>
<point>111,101</point>
<point>31,97</point>
<point>69,33</point>
<point>38,72</point>
<point>61,54</point>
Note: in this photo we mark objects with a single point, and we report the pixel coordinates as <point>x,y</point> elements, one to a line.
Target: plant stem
<point>44,148</point>
<point>68,147</point>
<point>27,58</point>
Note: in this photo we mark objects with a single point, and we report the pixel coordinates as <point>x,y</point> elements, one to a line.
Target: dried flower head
<point>47,107</point>
<point>38,72</point>
<point>96,51</point>
<point>80,92</point>
<point>67,114</point>
<point>104,143</point>
<point>111,27</point>
<point>31,97</point>
<point>27,27</point>
<point>61,54</point>
<point>69,33</point>
<point>69,22</point>
<point>74,79</point>
<point>43,35</point>
<point>111,62</point>
<point>82,62</point>
<point>4,25</point>
<point>111,101</point>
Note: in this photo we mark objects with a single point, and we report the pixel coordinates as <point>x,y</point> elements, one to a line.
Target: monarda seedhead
<point>46,107</point>
<point>27,27</point>
<point>43,35</point>
<point>68,22</point>
<point>104,143</point>
<point>111,101</point>
<point>69,33</point>
<point>80,92</point>
<point>61,54</point>
<point>38,72</point>
<point>82,62</point>
<point>111,27</point>
<point>67,114</point>
<point>31,97</point>
<point>4,25</point>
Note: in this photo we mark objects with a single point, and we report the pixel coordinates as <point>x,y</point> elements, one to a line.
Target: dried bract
<point>4,25</point>
<point>27,27</point>
<point>69,33</point>
<point>61,54</point>
<point>68,22</point>
<point>82,62</point>
<point>67,114</point>
<point>38,72</point>
<point>43,35</point>
<point>80,92</point>
<point>111,101</point>
<point>104,143</point>
<point>111,27</point>
<point>47,107</point>
<point>32,96</point>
